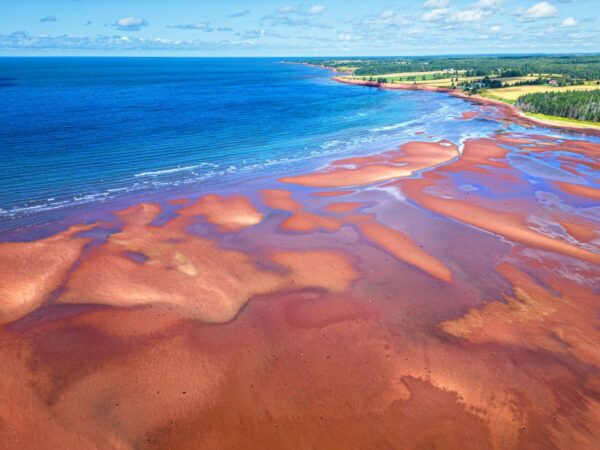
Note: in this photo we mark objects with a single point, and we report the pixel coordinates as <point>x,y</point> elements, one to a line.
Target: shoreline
<point>510,112</point>
<point>423,295</point>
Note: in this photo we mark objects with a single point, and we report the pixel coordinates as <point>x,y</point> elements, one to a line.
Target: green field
<point>586,67</point>
<point>564,121</point>
<point>500,78</point>
<point>511,94</point>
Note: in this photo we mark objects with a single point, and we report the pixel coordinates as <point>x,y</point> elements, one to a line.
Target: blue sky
<point>277,28</point>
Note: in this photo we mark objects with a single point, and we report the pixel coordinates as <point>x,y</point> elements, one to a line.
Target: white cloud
<point>203,26</point>
<point>253,34</point>
<point>131,24</point>
<point>489,3</point>
<point>286,9</point>
<point>495,28</point>
<point>568,22</point>
<point>387,18</point>
<point>239,13</point>
<point>452,15</point>
<point>258,34</point>
<point>344,37</point>
<point>23,40</point>
<point>469,15</point>
<point>297,16</point>
<point>316,10</point>
<point>433,4</point>
<point>435,14</point>
<point>541,10</point>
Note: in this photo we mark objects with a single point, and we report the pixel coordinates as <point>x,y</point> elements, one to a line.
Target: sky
<point>277,28</point>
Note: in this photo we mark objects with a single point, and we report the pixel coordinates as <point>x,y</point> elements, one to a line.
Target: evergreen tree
<point>580,105</point>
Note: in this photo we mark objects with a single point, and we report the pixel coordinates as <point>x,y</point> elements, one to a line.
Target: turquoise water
<point>85,131</point>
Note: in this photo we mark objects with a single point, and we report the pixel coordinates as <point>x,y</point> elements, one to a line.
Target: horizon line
<point>306,56</point>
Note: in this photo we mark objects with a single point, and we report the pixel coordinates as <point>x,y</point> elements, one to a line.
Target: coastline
<point>510,112</point>
<point>191,308</point>
<point>441,293</point>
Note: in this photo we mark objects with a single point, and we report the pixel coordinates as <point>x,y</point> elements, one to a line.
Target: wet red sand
<point>501,110</point>
<point>453,307</point>
<point>406,161</point>
<point>590,192</point>
<point>331,193</point>
<point>228,213</point>
<point>342,207</point>
<point>468,115</point>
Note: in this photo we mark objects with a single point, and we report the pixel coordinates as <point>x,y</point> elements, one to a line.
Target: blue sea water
<point>79,131</point>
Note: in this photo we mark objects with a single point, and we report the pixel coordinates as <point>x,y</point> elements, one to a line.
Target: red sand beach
<point>507,111</point>
<point>419,298</point>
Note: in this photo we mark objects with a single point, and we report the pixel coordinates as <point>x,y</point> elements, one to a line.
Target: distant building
<point>553,83</point>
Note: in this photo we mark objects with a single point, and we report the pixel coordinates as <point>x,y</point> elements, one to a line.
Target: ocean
<point>86,131</point>
<point>442,295</point>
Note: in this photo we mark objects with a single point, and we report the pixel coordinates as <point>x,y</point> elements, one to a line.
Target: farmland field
<point>510,94</point>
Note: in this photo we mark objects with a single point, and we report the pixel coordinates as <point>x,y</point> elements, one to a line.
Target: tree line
<point>586,67</point>
<point>580,105</point>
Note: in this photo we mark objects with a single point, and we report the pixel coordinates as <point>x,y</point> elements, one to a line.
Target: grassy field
<point>348,69</point>
<point>506,94</point>
<point>405,75</point>
<point>564,120</point>
<point>431,81</point>
<point>513,80</point>
<point>573,66</point>
<point>510,94</point>
<point>446,82</point>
